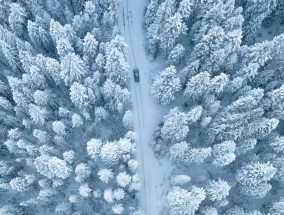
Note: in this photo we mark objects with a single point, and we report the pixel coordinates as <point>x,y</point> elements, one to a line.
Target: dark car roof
<point>135,70</point>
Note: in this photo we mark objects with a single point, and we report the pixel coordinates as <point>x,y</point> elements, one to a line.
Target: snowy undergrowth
<point>66,119</point>
<point>224,77</point>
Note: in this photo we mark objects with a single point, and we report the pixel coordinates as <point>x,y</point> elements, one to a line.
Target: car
<point>136,74</point>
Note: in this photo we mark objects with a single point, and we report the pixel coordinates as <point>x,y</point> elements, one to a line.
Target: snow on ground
<point>154,173</point>
<point>268,33</point>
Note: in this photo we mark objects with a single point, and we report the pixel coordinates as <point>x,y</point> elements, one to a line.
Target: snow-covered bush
<point>180,180</point>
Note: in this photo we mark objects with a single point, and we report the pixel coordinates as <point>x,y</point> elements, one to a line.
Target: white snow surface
<point>154,173</point>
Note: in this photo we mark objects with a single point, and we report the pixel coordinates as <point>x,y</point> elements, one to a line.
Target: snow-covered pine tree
<point>17,18</point>
<point>172,30</point>
<point>217,190</point>
<point>175,127</point>
<point>182,201</point>
<point>253,178</point>
<point>254,14</point>
<point>166,85</point>
<point>73,69</point>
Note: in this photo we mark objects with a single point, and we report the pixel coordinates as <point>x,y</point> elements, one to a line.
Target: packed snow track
<point>147,114</point>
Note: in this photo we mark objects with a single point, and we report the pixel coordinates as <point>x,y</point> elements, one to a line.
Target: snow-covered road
<point>147,114</point>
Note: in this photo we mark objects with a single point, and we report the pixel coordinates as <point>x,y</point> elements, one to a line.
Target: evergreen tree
<point>73,69</point>
<point>59,128</point>
<point>22,184</point>
<point>208,211</point>
<point>17,18</point>
<point>54,8</point>
<point>180,180</point>
<point>12,209</point>
<point>41,97</point>
<point>173,28</point>
<point>151,12</point>
<point>182,201</point>
<point>176,54</point>
<point>116,97</point>
<point>128,120</point>
<point>164,11</point>
<point>77,120</point>
<point>4,10</point>
<point>219,83</point>
<point>64,47</point>
<point>273,102</point>
<point>85,191</point>
<point>90,45</point>
<point>69,156</point>
<point>175,127</point>
<point>117,208</point>
<point>108,195</point>
<point>178,151</point>
<point>254,13</point>
<point>197,155</point>
<point>33,32</point>
<point>277,207</point>
<point>166,85</point>
<point>185,8</point>
<point>10,54</point>
<point>217,190</point>
<point>235,210</point>
<point>93,148</point>
<point>223,153</point>
<point>194,114</point>
<point>37,114</point>
<point>52,167</point>
<point>242,119</point>
<point>79,95</point>
<point>210,51</point>
<point>53,68</point>
<point>105,175</point>
<point>253,178</point>
<point>197,86</point>
<point>245,145</point>
<point>123,179</point>
<point>110,153</point>
<point>261,128</point>
<point>182,153</point>
<point>83,171</point>
<point>116,66</point>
